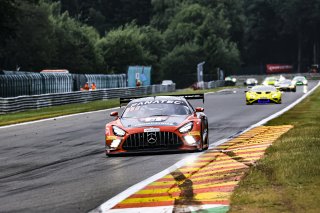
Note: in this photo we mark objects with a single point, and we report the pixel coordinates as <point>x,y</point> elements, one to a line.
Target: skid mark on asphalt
<point>206,184</point>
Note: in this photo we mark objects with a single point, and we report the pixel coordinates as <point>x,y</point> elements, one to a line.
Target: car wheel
<point>207,138</point>
<point>200,149</point>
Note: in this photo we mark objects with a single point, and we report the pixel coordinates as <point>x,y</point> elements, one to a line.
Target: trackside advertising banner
<point>278,68</point>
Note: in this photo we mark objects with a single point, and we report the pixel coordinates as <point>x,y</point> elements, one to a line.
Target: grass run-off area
<point>50,112</point>
<point>287,179</point>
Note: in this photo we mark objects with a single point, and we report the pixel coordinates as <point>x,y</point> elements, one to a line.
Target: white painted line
<point>55,118</point>
<point>224,90</point>
<point>164,209</point>
<point>133,189</point>
<point>160,209</point>
<point>105,207</point>
<point>63,116</point>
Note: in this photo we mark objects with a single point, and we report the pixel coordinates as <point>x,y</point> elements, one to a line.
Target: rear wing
<point>124,101</point>
<point>191,96</point>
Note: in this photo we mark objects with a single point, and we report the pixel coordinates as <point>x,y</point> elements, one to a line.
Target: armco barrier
<point>22,103</point>
<point>14,84</point>
<point>260,78</point>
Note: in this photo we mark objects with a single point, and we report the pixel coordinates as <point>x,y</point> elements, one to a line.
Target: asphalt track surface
<point>60,165</point>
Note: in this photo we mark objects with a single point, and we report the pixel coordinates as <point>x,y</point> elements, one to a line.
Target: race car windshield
<point>271,79</point>
<point>263,89</point>
<point>149,110</point>
<point>299,78</point>
<point>286,81</point>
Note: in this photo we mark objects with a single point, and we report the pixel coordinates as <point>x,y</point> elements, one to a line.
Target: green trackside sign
<point>139,73</point>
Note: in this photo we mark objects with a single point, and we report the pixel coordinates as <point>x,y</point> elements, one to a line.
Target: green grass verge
<point>50,112</point>
<point>288,178</point>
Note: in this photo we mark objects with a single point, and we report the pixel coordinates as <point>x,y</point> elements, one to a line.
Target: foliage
<point>123,47</point>
<point>76,45</point>
<point>208,29</point>
<point>107,36</point>
<point>180,64</point>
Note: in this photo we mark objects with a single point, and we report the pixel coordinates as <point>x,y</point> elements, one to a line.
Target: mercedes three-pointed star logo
<point>151,137</point>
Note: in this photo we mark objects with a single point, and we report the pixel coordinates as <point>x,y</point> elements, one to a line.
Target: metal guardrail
<point>213,84</point>
<point>22,103</point>
<point>260,78</point>
<point>14,84</point>
<point>209,85</point>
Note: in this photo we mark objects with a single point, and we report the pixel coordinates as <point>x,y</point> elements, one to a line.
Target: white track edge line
<point>63,116</point>
<point>128,192</point>
<point>54,118</point>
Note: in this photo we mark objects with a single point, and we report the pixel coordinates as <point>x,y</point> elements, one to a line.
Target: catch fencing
<point>14,84</point>
<point>22,103</point>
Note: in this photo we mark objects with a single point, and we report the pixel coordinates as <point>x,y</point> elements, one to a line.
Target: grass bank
<point>50,112</point>
<point>288,178</point>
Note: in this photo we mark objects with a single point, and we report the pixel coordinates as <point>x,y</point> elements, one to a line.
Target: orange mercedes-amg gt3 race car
<point>157,124</point>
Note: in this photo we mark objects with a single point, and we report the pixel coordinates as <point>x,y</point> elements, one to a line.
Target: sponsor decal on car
<point>154,119</point>
<point>194,133</point>
<point>157,102</point>
<point>155,124</point>
<point>112,137</point>
<point>152,130</point>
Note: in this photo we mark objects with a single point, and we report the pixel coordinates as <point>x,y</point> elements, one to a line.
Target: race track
<point>60,166</point>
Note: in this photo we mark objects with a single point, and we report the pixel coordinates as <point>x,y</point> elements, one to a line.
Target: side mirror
<point>199,109</point>
<point>114,114</point>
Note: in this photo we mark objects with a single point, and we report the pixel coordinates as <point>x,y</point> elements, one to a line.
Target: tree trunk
<point>299,51</point>
<point>314,52</point>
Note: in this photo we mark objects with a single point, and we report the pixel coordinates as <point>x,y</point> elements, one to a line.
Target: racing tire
<point>201,136</point>
<point>207,139</point>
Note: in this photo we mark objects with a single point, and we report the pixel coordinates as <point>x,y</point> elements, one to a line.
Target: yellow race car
<point>269,81</point>
<point>263,94</point>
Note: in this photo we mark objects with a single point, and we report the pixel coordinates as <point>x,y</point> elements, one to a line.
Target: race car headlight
<point>117,131</point>
<point>234,80</point>
<point>189,139</point>
<point>252,95</point>
<point>186,128</point>
<point>274,95</point>
<point>304,81</point>
<point>115,143</point>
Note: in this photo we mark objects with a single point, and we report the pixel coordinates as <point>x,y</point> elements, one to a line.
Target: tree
<point>207,29</point>
<point>30,48</point>
<point>76,45</point>
<point>123,47</point>
<point>153,41</point>
<point>180,64</point>
<point>110,14</point>
<point>163,12</point>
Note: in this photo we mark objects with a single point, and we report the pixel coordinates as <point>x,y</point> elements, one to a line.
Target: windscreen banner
<point>278,68</point>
